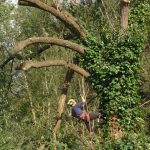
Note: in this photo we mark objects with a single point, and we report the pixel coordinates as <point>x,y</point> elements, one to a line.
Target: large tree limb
<point>64,16</point>
<point>35,64</point>
<point>45,40</point>
<point>40,50</point>
<point>48,40</point>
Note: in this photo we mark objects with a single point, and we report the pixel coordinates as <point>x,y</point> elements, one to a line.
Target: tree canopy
<point>75,48</point>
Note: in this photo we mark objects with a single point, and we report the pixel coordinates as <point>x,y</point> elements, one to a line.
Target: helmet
<point>71,102</point>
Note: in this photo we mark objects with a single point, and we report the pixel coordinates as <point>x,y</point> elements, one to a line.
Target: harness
<point>85,116</point>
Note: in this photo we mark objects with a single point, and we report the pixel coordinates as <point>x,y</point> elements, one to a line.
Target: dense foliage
<point>114,64</point>
<point>28,101</point>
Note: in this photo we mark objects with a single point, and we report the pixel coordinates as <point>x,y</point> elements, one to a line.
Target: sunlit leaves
<point>113,62</point>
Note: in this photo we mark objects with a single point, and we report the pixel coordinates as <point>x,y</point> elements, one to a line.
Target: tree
<point>109,62</point>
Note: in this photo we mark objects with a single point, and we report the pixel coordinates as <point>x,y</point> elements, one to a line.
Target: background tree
<point>102,54</point>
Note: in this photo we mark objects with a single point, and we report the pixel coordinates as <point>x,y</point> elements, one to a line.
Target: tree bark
<point>64,16</point>
<point>61,103</point>
<point>45,40</point>
<point>48,40</point>
<point>124,13</point>
<point>35,64</point>
<point>62,98</point>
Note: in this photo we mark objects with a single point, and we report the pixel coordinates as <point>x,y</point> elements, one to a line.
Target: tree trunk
<point>61,103</point>
<point>115,129</point>
<point>124,14</point>
<point>62,99</point>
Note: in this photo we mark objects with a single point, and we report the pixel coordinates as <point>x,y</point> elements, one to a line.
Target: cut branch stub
<point>35,64</point>
<point>126,1</point>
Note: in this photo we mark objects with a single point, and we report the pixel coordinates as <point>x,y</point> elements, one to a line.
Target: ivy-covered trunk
<point>114,64</point>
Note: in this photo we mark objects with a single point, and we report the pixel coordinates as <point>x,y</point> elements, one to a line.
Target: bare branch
<point>48,40</point>
<point>7,60</point>
<point>145,103</point>
<point>64,16</point>
<point>35,64</point>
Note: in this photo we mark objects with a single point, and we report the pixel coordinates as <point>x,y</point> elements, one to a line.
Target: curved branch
<point>11,57</point>
<point>35,64</point>
<point>64,16</point>
<point>48,40</point>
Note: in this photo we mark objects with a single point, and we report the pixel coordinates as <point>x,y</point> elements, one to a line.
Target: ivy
<point>129,142</point>
<point>114,64</point>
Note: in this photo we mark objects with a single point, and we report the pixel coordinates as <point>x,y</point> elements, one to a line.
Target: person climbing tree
<point>79,112</point>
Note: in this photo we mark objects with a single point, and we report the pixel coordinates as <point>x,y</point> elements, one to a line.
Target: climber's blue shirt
<point>77,110</point>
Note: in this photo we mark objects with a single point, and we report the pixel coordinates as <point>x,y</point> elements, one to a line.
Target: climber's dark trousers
<point>93,116</point>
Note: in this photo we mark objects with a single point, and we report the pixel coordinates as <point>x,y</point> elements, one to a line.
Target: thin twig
<point>145,103</point>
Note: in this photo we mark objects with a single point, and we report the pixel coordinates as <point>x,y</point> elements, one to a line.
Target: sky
<point>12,1</point>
